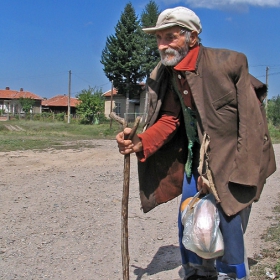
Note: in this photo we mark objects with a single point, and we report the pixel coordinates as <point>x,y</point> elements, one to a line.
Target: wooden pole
<point>69,97</point>
<point>111,107</point>
<point>125,196</point>
<point>266,81</point>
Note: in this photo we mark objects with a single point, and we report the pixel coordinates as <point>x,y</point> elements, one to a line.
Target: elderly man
<point>203,104</point>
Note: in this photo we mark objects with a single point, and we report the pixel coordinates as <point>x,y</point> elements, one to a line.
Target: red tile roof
<point>14,94</point>
<point>115,91</point>
<point>108,93</point>
<point>60,101</point>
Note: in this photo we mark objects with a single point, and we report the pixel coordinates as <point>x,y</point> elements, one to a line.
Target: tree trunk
<point>126,106</point>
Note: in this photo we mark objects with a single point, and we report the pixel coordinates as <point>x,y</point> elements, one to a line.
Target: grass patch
<point>267,264</point>
<point>57,135</point>
<point>274,133</point>
<point>42,135</point>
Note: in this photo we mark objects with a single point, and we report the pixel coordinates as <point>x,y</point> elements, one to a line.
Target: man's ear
<point>193,39</point>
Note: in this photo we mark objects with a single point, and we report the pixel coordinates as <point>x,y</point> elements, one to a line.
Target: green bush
<point>60,117</point>
<point>274,132</point>
<point>46,116</point>
<point>36,117</point>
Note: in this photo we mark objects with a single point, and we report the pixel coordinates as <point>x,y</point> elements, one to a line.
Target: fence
<point>46,116</point>
<point>131,117</point>
<point>38,116</point>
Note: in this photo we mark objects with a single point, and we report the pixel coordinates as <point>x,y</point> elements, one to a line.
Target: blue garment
<point>233,260</point>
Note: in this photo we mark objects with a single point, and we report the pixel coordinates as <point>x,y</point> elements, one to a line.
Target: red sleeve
<point>163,129</point>
<point>157,135</point>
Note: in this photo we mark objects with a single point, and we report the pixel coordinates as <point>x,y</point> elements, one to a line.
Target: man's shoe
<point>220,277</point>
<point>198,277</point>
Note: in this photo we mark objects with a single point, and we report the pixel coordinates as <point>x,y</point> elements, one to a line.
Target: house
<point>59,104</point>
<point>9,101</point>
<point>117,103</point>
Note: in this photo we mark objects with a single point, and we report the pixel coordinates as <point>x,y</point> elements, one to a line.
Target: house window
<point>117,108</point>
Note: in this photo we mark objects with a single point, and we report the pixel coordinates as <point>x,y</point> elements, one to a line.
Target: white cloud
<point>271,3</point>
<point>89,23</point>
<point>212,4</point>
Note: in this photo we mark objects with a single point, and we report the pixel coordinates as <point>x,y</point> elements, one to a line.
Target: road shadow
<point>166,258</point>
<point>252,262</point>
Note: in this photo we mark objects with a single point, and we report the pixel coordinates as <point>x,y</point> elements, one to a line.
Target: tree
<point>26,104</point>
<point>148,19</point>
<point>91,106</point>
<point>273,110</point>
<point>123,57</point>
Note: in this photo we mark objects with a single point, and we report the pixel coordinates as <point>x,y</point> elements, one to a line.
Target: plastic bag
<point>202,234</point>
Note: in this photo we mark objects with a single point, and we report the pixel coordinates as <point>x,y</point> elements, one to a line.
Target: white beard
<point>177,56</point>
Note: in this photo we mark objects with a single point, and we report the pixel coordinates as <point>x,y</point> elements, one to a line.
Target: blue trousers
<point>234,260</point>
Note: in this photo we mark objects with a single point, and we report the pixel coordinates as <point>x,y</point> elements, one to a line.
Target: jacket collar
<point>189,62</point>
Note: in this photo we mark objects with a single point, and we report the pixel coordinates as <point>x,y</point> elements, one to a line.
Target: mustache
<point>168,51</point>
<point>171,57</point>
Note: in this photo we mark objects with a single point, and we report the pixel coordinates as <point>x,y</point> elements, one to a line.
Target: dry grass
<point>267,264</point>
<point>57,135</point>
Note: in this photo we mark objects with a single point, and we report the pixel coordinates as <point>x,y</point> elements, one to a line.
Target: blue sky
<point>41,40</point>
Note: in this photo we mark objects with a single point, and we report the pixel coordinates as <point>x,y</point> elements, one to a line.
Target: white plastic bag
<point>202,234</point>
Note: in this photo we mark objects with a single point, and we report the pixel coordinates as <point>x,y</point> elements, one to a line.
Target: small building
<point>117,102</point>
<point>59,104</point>
<point>9,101</point>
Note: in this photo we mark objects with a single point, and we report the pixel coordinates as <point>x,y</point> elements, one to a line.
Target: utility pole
<point>111,108</point>
<point>69,96</point>
<point>266,81</point>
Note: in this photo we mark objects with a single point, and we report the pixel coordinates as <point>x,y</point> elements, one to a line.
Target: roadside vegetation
<point>266,265</point>
<point>26,135</point>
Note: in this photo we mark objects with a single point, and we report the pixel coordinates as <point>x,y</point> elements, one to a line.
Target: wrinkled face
<point>172,45</point>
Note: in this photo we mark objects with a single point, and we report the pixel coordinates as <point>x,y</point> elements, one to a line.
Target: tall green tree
<point>273,110</point>
<point>26,104</point>
<point>123,57</point>
<point>148,19</point>
<point>91,106</point>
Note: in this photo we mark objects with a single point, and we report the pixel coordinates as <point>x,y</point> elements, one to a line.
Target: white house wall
<point>14,107</point>
<point>135,109</point>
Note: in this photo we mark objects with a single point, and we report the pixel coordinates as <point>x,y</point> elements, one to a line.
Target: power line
<point>270,74</point>
<point>88,81</point>
<point>81,78</point>
<point>276,73</point>
<point>261,65</point>
<point>51,75</point>
<point>38,76</point>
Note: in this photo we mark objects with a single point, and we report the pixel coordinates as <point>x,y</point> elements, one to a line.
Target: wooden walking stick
<point>125,196</point>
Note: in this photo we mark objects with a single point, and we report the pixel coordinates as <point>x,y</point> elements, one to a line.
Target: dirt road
<point>60,218</point>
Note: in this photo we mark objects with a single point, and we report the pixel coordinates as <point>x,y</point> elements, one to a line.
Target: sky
<point>41,41</point>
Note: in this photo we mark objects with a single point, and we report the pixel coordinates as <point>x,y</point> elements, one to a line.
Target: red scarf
<point>189,62</point>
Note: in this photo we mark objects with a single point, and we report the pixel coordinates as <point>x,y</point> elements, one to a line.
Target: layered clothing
<point>228,111</point>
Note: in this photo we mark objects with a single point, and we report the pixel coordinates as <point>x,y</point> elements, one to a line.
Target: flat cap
<point>179,16</point>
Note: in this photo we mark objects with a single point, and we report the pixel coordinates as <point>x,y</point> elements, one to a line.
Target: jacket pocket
<point>224,100</point>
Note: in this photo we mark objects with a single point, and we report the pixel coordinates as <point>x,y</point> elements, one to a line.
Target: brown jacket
<point>241,155</point>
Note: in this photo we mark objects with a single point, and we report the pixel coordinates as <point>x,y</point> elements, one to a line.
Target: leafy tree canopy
<point>148,19</point>
<point>122,56</point>
<point>273,110</point>
<point>26,104</point>
<point>91,106</point>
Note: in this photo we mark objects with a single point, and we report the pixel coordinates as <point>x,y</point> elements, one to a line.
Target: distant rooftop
<point>61,101</point>
<point>7,93</point>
